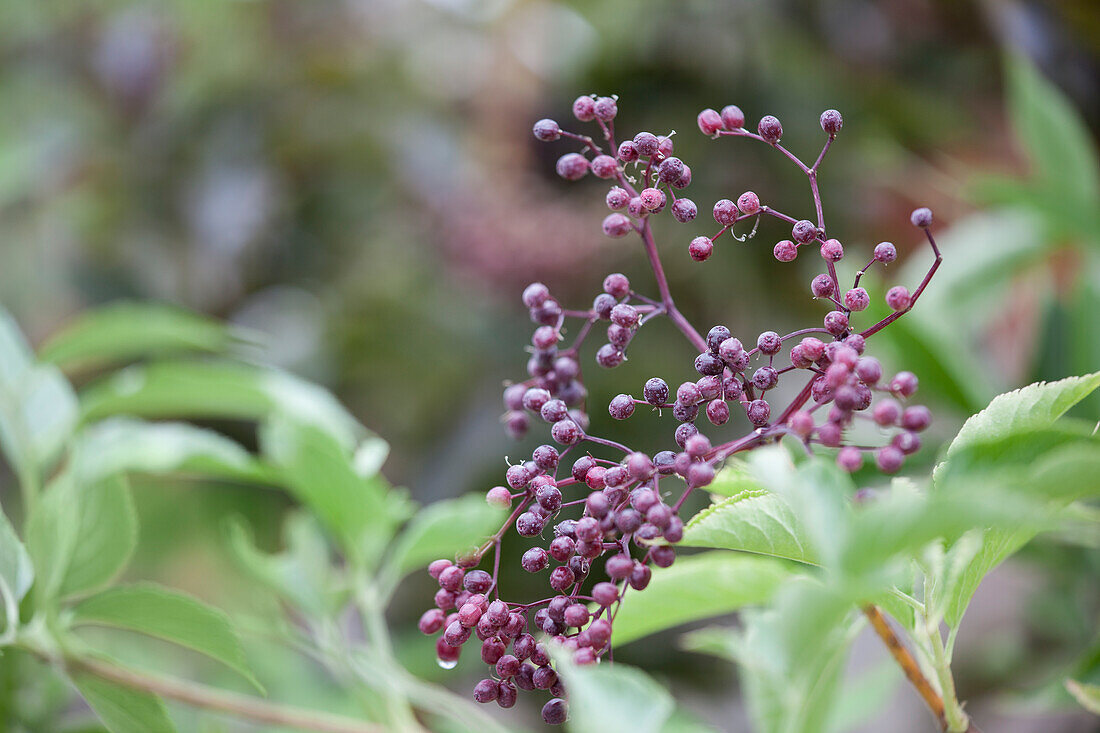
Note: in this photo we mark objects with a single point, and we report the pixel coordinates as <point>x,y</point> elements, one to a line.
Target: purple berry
<point>831,121</point>
<point>885,252</point>
<point>836,323</point>
<point>652,198</point>
<point>709,122</point>
<point>684,210</point>
<point>617,198</point>
<point>621,407</point>
<point>748,203</point>
<point>628,152</point>
<point>916,418</point>
<point>725,212</point>
<point>646,143</point>
<point>770,129</point>
<point>555,712</point>
<point>546,130</point>
<point>850,459</point>
<point>898,298</point>
<point>785,251</point>
<point>572,166</point>
<point>822,286</point>
<point>584,109</point>
<point>604,166</point>
<point>609,357</point>
<point>700,249</point>
<point>921,217</point>
<point>857,299</point>
<point>769,342</point>
<point>759,411</point>
<point>605,109</point>
<point>732,117</point>
<point>904,384</point>
<point>889,459</point>
<point>804,231</point>
<point>616,225</point>
<point>832,250</point>
<point>670,170</point>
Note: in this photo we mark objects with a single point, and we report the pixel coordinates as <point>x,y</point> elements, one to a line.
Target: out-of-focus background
<point>358,181</point>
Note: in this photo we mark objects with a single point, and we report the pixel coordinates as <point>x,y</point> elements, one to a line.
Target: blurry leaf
<point>80,536</point>
<point>793,657</point>
<point>37,406</point>
<point>320,473</point>
<point>861,699</point>
<point>121,445</point>
<point>735,478</point>
<point>168,615</point>
<point>213,389</point>
<point>125,331</point>
<point>121,709</point>
<point>15,565</point>
<point>1056,138</point>
<point>301,574</point>
<point>443,529</point>
<point>697,587</point>
<point>613,697</point>
<point>818,489</point>
<point>682,721</point>
<point>753,521</point>
<point>1087,695</point>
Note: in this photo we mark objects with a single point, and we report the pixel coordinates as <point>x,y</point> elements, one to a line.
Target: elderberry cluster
<point>623,511</point>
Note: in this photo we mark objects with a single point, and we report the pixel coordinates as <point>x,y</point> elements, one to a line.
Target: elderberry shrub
<point>602,524</point>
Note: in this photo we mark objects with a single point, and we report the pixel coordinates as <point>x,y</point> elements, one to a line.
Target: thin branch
<point>907,663</point>
<point>231,703</point>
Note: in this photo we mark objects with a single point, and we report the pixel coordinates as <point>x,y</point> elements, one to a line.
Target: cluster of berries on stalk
<point>623,511</point>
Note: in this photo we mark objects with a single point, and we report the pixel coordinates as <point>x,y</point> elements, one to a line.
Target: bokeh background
<point>357,180</point>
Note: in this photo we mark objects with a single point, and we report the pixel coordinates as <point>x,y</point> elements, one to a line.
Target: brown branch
<point>907,663</point>
<point>231,703</point>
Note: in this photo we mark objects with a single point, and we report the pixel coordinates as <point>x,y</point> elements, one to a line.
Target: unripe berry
<point>572,166</point>
<point>652,198</point>
<point>869,369</point>
<point>604,166</point>
<point>916,418</point>
<point>732,117</point>
<point>499,497</point>
<point>718,412</point>
<point>770,129</point>
<point>616,225</point>
<point>451,578</point>
<point>886,413</point>
<point>688,393</point>
<point>627,152</point>
<point>546,130</point>
<point>555,712</point>
<point>804,231</point>
<point>609,357</point>
<point>700,249</point>
<point>832,250</point>
<point>801,424</point>
<point>921,217</point>
<point>605,109</point>
<point>748,203</point>
<point>830,434</point>
<point>437,567</point>
<point>765,378</point>
<point>856,342</point>
<point>709,122</point>
<point>561,578</point>
<point>907,442</point>
<point>785,251</point>
<point>684,210</point>
<point>640,576</point>
<point>725,212</point>
<point>685,179</point>
<point>857,299</point>
<point>549,497</point>
<point>822,286</point>
<point>759,411</point>
<point>617,198</point>
<point>670,170</point>
<point>897,297</point>
<point>584,108</point>
<point>831,121</point>
<point>889,459</point>
<point>625,315</point>
<point>885,252</point>
<point>646,143</point>
<point>656,391</point>
<point>621,407</point>
<point>431,621</point>
<point>850,459</point>
<point>812,348</point>
<point>769,342</point>
<point>708,364</point>
<point>594,479</point>
<point>566,432</point>
<point>619,566</point>
<point>836,323</point>
<point>730,350</point>
<point>697,445</point>
<point>904,384</point>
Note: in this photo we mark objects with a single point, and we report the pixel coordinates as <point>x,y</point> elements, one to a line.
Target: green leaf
<point>321,473</point>
<point>37,405</point>
<point>80,537</point>
<point>213,389</point>
<point>15,565</point>
<point>122,445</point>
<point>124,331</point>
<point>861,699</point>
<point>443,529</point>
<point>698,587</point>
<point>121,709</point>
<point>302,574</point>
<point>1087,695</point>
<point>1056,138</point>
<point>735,478</point>
<point>613,697</point>
<point>754,520</point>
<point>1029,408</point>
<point>168,615</point>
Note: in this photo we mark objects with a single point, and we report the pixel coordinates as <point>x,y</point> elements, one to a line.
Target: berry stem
<point>916,294</point>
<point>662,287</point>
<point>821,155</point>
